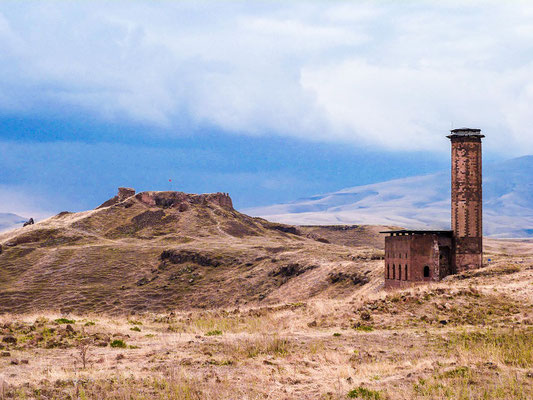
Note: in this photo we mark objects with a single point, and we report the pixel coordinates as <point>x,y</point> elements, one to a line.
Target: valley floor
<point>470,337</point>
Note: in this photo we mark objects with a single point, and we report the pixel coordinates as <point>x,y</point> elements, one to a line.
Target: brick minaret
<point>466,198</point>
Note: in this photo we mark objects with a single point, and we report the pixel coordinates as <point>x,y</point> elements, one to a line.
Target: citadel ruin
<point>416,256</point>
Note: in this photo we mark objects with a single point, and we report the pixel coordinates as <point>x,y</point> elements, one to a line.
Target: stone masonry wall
<point>467,202</point>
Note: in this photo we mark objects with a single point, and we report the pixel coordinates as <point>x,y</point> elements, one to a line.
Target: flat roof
<point>420,232</point>
<point>466,132</point>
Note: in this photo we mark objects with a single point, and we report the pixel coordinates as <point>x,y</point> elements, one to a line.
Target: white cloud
<point>388,74</point>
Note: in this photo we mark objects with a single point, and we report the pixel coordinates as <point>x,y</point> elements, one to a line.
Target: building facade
<point>417,256</point>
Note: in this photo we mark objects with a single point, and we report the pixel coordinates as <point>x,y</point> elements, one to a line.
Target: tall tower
<point>466,198</point>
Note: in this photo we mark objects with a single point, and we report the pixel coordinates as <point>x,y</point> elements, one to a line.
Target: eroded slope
<point>157,251</point>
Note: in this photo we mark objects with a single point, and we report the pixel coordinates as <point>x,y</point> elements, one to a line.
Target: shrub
<point>64,321</point>
<point>364,328</point>
<point>459,372</point>
<point>135,329</point>
<point>215,332</point>
<point>118,343</point>
<point>364,393</point>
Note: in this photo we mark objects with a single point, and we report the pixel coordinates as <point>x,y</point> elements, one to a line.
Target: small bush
<point>90,323</point>
<point>135,329</point>
<point>364,393</point>
<point>133,322</point>
<point>459,372</point>
<point>364,328</point>
<point>64,321</point>
<point>297,304</point>
<point>118,343</point>
<point>215,332</point>
<point>336,334</point>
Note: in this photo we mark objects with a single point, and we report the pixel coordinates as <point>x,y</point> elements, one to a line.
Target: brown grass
<point>311,350</point>
<point>250,311</point>
<point>79,262</point>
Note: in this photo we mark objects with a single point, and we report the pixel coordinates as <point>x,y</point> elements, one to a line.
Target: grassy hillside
<point>158,251</point>
<point>470,337</point>
<point>173,296</point>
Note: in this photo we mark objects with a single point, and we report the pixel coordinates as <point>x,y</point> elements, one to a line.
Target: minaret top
<point>465,132</point>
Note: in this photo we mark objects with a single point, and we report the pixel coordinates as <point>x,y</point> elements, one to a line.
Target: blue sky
<point>266,100</point>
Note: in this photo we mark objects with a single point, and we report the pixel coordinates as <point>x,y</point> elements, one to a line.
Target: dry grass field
<point>305,320</point>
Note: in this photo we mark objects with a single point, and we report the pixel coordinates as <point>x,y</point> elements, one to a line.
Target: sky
<point>269,101</point>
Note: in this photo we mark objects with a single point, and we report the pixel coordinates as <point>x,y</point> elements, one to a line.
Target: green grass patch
<point>119,344</point>
<point>364,328</point>
<point>512,347</point>
<point>215,332</point>
<point>459,372</point>
<point>364,393</point>
<point>464,383</point>
<point>64,321</point>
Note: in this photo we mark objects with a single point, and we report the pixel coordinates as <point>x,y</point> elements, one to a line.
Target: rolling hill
<point>420,202</point>
<point>179,296</point>
<point>158,251</point>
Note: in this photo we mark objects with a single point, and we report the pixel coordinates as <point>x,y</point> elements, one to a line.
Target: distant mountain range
<point>420,202</point>
<point>8,221</point>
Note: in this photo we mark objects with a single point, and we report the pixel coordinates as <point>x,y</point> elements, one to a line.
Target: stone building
<point>414,256</point>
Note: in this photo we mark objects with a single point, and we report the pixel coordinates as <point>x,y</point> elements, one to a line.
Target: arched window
<point>388,271</point>
<point>400,272</point>
<point>426,272</point>
<point>393,271</point>
<point>405,271</point>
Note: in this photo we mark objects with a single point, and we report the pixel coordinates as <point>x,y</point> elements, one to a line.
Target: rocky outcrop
<point>28,222</point>
<point>181,200</point>
<point>170,199</point>
<point>184,256</point>
<point>124,193</point>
